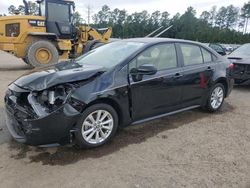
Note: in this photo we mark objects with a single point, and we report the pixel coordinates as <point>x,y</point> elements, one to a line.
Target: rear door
<point>157,94</point>
<point>198,70</point>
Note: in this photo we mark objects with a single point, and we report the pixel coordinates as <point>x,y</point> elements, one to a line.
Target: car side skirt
<point>166,114</point>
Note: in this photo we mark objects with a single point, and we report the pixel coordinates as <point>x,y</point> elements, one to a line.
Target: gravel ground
<point>191,149</point>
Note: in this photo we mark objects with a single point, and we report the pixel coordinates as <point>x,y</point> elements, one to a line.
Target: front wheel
<point>216,97</point>
<point>97,126</point>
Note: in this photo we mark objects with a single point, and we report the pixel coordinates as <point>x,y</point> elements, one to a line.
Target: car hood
<point>66,72</point>
<point>239,59</point>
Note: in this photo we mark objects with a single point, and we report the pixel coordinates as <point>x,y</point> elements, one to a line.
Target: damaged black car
<point>241,60</point>
<point>84,101</point>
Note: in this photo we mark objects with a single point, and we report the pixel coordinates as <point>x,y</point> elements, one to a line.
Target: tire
<point>86,136</point>
<point>42,53</point>
<point>217,93</point>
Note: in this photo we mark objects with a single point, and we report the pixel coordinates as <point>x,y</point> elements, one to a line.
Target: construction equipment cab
<point>43,39</point>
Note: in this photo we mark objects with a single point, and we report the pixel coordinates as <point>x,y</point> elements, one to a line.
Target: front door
<point>160,93</point>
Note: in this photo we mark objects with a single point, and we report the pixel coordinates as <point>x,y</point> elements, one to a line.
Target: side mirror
<point>146,69</point>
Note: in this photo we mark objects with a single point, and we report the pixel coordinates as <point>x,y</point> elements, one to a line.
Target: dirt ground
<point>192,149</point>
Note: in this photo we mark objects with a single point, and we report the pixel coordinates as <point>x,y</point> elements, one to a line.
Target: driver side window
<point>162,56</point>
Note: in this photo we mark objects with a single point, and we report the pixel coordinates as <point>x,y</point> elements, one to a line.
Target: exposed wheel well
<point>113,104</point>
<point>225,84</point>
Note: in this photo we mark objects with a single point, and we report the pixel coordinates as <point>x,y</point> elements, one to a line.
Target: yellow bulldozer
<point>50,36</point>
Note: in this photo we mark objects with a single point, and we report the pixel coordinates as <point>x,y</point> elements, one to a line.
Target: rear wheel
<point>97,126</point>
<point>216,97</point>
<point>41,53</point>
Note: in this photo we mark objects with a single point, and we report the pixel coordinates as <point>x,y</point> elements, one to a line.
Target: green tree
<point>205,16</point>
<point>221,17</point>
<point>32,7</point>
<point>245,14</point>
<point>227,17</point>
<point>185,26</point>
<point>232,17</point>
<point>213,13</point>
<point>13,10</point>
<point>77,19</point>
<point>165,20</point>
<point>103,16</point>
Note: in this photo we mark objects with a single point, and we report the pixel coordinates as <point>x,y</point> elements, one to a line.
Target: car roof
<point>150,40</point>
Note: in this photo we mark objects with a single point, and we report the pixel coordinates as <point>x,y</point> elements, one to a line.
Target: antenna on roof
<point>149,35</point>
<point>163,31</point>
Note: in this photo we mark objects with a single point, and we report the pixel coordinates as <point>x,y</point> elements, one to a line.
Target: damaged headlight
<point>55,96</point>
<point>49,100</point>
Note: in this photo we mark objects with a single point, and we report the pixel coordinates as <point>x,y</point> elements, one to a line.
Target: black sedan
<point>122,83</point>
<point>241,60</point>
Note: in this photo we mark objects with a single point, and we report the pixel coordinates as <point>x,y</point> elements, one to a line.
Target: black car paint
<point>54,75</point>
<point>134,101</point>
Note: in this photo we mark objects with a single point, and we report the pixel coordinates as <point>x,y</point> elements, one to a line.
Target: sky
<point>171,6</point>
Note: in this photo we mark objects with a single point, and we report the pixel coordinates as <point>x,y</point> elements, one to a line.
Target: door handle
<point>178,75</point>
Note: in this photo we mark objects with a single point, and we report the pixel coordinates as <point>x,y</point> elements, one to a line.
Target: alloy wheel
<point>97,127</point>
<point>217,97</point>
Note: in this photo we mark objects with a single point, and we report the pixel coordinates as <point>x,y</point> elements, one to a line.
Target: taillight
<point>231,66</point>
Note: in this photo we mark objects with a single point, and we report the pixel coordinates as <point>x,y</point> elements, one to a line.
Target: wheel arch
<point>223,81</point>
<point>113,104</point>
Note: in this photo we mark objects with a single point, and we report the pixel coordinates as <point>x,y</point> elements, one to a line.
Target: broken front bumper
<point>55,128</point>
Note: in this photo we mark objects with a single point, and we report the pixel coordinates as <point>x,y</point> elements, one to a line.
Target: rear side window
<point>12,30</point>
<point>207,56</point>
<point>191,54</point>
<point>162,56</point>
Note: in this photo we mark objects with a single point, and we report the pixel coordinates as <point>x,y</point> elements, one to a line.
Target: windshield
<point>58,12</point>
<point>110,55</point>
<point>242,51</point>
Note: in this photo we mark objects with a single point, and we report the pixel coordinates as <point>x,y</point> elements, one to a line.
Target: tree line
<point>223,25</point>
